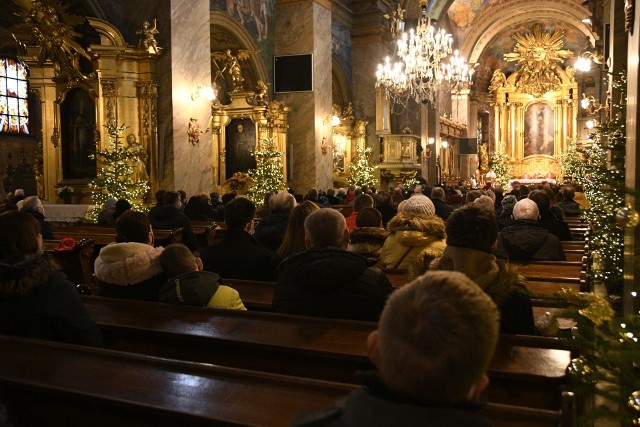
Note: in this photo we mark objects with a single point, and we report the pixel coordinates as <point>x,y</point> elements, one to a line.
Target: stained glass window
<point>14,103</point>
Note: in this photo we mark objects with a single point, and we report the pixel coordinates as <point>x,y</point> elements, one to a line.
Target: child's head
<point>177,259</point>
<point>436,338</point>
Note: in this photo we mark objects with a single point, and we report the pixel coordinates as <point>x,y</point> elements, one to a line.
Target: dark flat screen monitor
<point>293,73</point>
<point>468,146</point>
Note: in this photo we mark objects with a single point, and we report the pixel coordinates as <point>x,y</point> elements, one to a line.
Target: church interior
<point>452,92</point>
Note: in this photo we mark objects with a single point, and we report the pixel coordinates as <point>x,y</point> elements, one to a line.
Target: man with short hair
<point>270,231</point>
<point>238,255</point>
<point>168,217</point>
<point>440,202</point>
<point>326,280</point>
<point>435,340</point>
<point>526,239</point>
<point>568,205</point>
<point>361,201</point>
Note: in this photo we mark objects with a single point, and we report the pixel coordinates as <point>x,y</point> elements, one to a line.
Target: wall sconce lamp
<point>332,119</point>
<point>590,124</point>
<point>591,105</point>
<point>584,61</point>
<point>444,144</point>
<point>206,92</point>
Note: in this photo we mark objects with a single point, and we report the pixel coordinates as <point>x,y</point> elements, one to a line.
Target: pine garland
<point>360,172</point>
<point>115,175</point>
<point>268,175</point>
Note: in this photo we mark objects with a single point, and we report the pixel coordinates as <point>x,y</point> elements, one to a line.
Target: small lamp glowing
<point>206,92</point>
<point>444,144</point>
<point>335,120</point>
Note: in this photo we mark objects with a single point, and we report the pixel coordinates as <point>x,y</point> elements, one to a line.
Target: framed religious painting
<point>539,130</point>
<point>240,145</point>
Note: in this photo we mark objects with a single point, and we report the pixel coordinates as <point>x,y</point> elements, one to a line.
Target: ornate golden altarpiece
<point>535,108</point>
<point>346,137</point>
<point>262,119</point>
<point>124,90</point>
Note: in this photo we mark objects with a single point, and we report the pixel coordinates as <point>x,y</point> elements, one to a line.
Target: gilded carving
<point>539,55</point>
<point>227,62</point>
<point>52,29</point>
<point>629,11</point>
<point>148,41</point>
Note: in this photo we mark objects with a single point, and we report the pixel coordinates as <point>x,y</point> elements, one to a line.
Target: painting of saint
<point>78,122</point>
<point>539,130</point>
<point>240,144</point>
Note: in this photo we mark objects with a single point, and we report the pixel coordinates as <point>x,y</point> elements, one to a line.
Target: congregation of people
<point>459,247</point>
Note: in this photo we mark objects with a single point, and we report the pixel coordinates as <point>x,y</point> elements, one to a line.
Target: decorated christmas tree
<point>360,172</point>
<point>267,176</point>
<point>573,165</point>
<point>116,174</point>
<point>499,163</point>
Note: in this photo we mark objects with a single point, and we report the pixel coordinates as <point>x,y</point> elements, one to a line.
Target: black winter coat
<point>269,232</point>
<point>331,282</point>
<point>527,240</point>
<point>38,302</point>
<point>168,217</point>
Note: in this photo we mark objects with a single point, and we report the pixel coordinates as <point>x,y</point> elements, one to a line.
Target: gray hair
<point>32,202</point>
<point>325,227</point>
<point>283,201</point>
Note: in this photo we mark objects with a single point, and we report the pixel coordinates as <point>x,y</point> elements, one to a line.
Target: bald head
<point>325,227</point>
<point>526,209</point>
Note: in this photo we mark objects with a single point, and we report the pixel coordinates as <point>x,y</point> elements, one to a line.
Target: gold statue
<point>396,20</point>
<point>52,28</point>
<point>260,94</point>
<point>540,56</point>
<point>139,164</point>
<point>226,61</point>
<point>148,33</point>
<point>497,80</point>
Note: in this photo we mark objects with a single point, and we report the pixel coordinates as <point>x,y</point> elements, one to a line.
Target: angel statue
<point>260,94</point>
<point>227,62</point>
<point>148,33</point>
<point>497,80</point>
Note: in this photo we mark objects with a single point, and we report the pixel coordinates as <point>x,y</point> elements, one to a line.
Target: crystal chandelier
<point>419,69</point>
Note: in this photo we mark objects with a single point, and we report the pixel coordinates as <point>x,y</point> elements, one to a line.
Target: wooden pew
<point>345,210</point>
<point>76,264</point>
<point>256,295</point>
<point>54,384</point>
<point>104,235</point>
<point>204,232</point>
<point>574,244</point>
<point>301,346</point>
<point>557,271</point>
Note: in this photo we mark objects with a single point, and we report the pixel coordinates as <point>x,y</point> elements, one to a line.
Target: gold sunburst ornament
<point>540,56</point>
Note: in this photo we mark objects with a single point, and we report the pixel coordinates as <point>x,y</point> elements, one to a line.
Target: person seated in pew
<point>547,219</point>
<point>168,217</point>
<point>472,232</point>
<point>326,280</point>
<point>130,267</point>
<point>360,202</point>
<point>293,241</point>
<point>106,215</point>
<point>189,285</point>
<point>569,206</point>
<point>435,340</point>
<point>122,205</point>
<point>37,300</point>
<point>415,233</point>
<point>271,230</point>
<point>526,239</point>
<point>32,205</point>
<point>238,255</point>
<point>369,236</point>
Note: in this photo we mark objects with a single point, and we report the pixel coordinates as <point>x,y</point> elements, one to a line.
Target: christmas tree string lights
<point>115,178</point>
<point>499,163</point>
<point>268,175</point>
<point>360,172</point>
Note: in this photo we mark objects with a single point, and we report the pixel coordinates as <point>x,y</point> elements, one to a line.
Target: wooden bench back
<point>104,235</point>
<point>48,383</point>
<point>301,346</point>
<point>76,263</point>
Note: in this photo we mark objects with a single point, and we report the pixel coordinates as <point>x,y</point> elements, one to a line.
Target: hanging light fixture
<point>419,69</point>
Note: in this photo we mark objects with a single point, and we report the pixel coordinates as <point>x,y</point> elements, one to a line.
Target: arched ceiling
<point>483,30</point>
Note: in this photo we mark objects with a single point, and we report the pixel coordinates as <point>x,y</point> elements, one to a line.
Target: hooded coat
<point>421,237</point>
<point>499,280</point>
<point>526,240</point>
<point>201,289</point>
<point>36,301</point>
<point>129,270</point>
<point>367,241</point>
<point>330,282</point>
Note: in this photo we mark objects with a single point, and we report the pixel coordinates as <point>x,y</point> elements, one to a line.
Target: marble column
<point>304,27</point>
<point>184,65</point>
